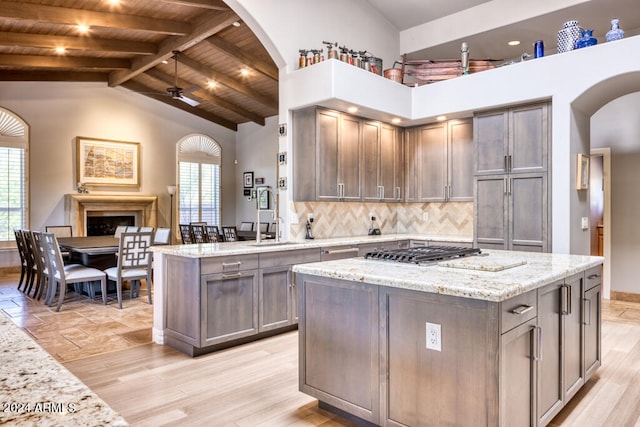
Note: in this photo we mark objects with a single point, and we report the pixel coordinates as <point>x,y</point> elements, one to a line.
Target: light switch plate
<point>585,223</point>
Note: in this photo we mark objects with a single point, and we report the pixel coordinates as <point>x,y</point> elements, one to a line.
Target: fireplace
<point>83,211</point>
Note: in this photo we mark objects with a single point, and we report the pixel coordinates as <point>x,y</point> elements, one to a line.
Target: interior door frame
<point>606,173</point>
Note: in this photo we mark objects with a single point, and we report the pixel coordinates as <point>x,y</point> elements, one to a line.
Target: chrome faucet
<point>276,217</point>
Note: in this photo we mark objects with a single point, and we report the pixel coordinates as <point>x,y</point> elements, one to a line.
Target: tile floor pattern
<point>83,327</point>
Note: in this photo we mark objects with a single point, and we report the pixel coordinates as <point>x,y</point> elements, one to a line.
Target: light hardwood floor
<point>257,384</point>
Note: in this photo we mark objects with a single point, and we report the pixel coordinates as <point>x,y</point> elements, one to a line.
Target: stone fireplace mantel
<point>76,207</point>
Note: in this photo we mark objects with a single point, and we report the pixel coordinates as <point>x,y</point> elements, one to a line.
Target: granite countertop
<point>203,250</point>
<point>493,276</point>
<point>37,390</point>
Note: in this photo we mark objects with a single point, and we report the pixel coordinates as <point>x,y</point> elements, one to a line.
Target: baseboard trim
<point>9,271</point>
<point>625,296</point>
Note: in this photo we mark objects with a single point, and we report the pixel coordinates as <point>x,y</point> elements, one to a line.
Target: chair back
<point>59,230</point>
<point>146,229</point>
<point>40,250</point>
<point>30,249</point>
<point>185,234</point>
<point>213,233</point>
<point>22,249</point>
<point>229,233</point>
<point>246,226</point>
<point>54,258</point>
<point>198,233</point>
<point>162,236</point>
<point>264,227</point>
<point>134,251</point>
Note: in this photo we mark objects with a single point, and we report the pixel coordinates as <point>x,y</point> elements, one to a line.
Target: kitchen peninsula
<point>497,339</point>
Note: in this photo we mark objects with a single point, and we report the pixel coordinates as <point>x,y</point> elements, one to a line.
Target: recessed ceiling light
<point>114,1</point>
<point>514,43</point>
<point>82,28</point>
<point>236,24</point>
<point>60,50</point>
<point>352,109</point>
<point>244,72</point>
<point>395,120</point>
<point>211,84</point>
<point>441,118</point>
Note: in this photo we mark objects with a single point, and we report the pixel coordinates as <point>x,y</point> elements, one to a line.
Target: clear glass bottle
<point>615,33</point>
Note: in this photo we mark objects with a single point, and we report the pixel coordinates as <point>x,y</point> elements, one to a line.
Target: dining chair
<point>198,233</point>
<point>213,233</point>
<point>61,275</point>
<point>25,266</point>
<point>162,236</point>
<point>59,230</point>
<point>145,229</point>
<point>134,264</point>
<point>34,278</point>
<point>185,234</point>
<point>40,252</point>
<point>264,227</point>
<point>119,230</point>
<point>229,233</point>
<point>246,226</point>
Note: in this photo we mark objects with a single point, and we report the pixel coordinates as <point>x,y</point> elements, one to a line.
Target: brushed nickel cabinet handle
<point>587,320</point>
<point>593,276</point>
<point>231,276</point>
<point>524,308</point>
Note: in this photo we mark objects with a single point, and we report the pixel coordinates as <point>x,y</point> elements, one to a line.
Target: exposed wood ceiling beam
<point>72,62</point>
<point>204,94</point>
<point>209,24</point>
<point>229,82</point>
<point>61,15</point>
<point>53,76</point>
<point>90,44</point>
<point>233,51</point>
<point>205,4</point>
<point>146,91</point>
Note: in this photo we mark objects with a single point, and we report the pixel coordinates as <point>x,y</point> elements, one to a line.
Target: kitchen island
<point>499,339</point>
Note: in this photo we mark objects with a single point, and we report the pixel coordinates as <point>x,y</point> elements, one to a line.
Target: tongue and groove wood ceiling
<point>221,63</point>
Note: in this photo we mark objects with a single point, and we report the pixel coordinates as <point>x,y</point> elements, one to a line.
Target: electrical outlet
<point>585,223</point>
<point>425,216</point>
<point>310,217</point>
<point>434,336</point>
<point>282,183</point>
<point>294,218</point>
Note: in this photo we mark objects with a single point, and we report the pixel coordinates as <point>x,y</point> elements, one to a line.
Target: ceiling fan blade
<point>189,101</point>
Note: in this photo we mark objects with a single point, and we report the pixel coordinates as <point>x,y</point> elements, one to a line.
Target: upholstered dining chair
<point>185,234</point>
<point>246,226</point>
<point>229,233</point>
<point>134,264</point>
<point>60,230</point>
<point>61,275</point>
<point>264,227</point>
<point>162,236</point>
<point>42,266</point>
<point>213,233</point>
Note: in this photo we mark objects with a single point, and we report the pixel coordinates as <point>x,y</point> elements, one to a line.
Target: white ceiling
<point>491,43</point>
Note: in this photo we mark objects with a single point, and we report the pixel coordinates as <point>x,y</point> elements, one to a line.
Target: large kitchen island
<point>497,339</point>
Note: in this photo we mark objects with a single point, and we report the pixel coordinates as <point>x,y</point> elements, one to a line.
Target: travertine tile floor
<point>83,327</point>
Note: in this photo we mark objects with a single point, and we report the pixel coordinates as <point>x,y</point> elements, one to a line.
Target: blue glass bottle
<point>615,33</point>
<point>586,39</point>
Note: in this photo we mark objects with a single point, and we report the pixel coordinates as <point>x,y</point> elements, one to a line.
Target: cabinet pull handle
<point>566,299</point>
<point>231,276</point>
<point>340,251</point>
<point>505,186</point>
<point>524,308</point>
<point>587,320</point>
<point>508,185</point>
<point>397,193</point>
<point>231,264</point>
<point>539,352</point>
<point>593,276</point>
<point>506,164</point>
<point>510,165</point>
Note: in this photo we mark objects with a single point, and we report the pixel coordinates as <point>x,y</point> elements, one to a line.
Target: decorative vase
<point>615,33</point>
<point>568,36</point>
<point>586,39</point>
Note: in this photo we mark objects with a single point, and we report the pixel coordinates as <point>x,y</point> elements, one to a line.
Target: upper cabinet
<point>439,162</point>
<point>339,157</point>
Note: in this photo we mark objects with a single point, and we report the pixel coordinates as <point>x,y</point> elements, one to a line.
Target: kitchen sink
<point>267,244</point>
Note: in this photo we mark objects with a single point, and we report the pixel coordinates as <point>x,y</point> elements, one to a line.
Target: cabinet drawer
<point>228,264</point>
<point>339,252</point>
<point>518,310</point>
<point>301,256</point>
<point>592,277</point>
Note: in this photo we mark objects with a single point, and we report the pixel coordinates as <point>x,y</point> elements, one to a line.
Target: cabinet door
<point>328,124</point>
<point>491,139</point>
<point>592,332</point>
<point>349,173</point>
<point>432,155</point>
<point>528,212</point>
<point>371,161</point>
<point>550,390</point>
<point>528,138</point>
<point>491,212</point>
<point>275,297</point>
<point>390,176</point>
<point>412,136</point>
<point>460,168</point>
<point>229,306</point>
<point>517,376</point>
<point>572,340</point>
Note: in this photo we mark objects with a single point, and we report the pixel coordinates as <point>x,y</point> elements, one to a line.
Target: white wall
<point>58,112</point>
<point>617,125</point>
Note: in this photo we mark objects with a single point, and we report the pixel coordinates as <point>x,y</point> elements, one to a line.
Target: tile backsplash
<point>340,219</point>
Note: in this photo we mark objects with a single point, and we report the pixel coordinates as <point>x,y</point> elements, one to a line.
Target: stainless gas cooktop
<point>422,255</point>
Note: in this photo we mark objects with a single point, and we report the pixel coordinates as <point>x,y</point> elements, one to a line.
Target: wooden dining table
<point>92,251</point>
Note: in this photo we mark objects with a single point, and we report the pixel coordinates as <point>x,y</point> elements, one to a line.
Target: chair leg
<point>148,283</point>
<point>30,278</point>
<point>63,289</point>
<point>119,292</point>
<point>103,288</point>
<point>23,270</point>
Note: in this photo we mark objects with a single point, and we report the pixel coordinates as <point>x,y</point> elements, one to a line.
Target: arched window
<point>14,143</point>
<point>199,159</point>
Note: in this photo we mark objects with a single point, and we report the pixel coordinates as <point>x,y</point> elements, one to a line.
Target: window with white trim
<point>14,145</point>
<point>199,160</point>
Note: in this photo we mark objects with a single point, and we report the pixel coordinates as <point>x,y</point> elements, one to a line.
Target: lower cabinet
<point>275,298</point>
<point>592,321</point>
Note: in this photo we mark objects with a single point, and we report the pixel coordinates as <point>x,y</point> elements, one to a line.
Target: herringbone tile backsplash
<point>340,219</point>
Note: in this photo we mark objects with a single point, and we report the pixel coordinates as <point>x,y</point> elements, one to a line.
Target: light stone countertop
<point>493,276</point>
<point>204,250</point>
<point>36,390</point>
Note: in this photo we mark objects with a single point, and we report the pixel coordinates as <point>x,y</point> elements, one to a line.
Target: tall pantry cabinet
<point>511,178</point>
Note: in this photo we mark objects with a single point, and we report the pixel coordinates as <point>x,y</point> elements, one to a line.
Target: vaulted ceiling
<point>222,67</point>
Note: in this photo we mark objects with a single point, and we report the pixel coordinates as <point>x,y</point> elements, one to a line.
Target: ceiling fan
<point>177,92</point>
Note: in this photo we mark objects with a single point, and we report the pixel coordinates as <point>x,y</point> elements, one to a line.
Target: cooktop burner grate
<point>422,255</point>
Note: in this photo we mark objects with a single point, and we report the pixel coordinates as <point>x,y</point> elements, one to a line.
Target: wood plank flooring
<point>257,384</point>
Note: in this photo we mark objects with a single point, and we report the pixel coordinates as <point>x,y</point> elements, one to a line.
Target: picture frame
<point>247,179</point>
<point>259,181</point>
<point>105,162</point>
<point>262,198</point>
<point>582,176</point>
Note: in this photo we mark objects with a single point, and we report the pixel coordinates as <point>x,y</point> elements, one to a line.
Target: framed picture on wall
<point>248,179</point>
<point>107,163</point>
<point>582,178</point>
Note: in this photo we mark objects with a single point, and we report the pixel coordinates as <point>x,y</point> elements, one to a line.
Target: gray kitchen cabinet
<point>511,209</point>
<point>561,363</point>
<point>592,321</point>
<point>439,162</point>
<point>382,162</point>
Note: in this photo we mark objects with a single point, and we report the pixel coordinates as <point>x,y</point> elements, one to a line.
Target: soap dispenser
<point>309,234</point>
